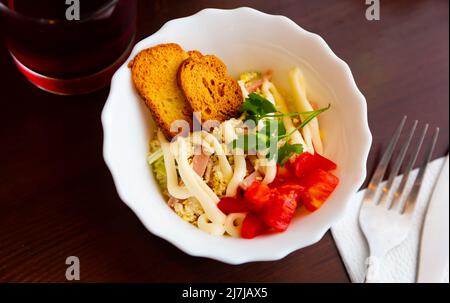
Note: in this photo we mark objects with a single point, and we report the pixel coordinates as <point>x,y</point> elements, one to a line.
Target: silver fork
<point>386,218</point>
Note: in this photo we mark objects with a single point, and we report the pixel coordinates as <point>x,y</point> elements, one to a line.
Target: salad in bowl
<point>246,172</point>
<point>257,133</point>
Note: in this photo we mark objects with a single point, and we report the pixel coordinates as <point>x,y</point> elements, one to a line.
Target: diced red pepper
<point>319,185</point>
<point>290,188</point>
<point>279,212</point>
<point>324,163</point>
<point>252,226</point>
<point>230,205</point>
<point>306,162</point>
<point>271,207</point>
<point>257,195</point>
<point>285,172</point>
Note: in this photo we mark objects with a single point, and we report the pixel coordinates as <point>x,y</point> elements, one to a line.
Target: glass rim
<point>47,21</point>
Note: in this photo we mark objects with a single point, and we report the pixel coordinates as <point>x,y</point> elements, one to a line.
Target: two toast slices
<point>174,83</point>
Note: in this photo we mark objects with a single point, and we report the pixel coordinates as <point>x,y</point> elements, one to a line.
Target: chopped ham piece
<point>171,202</point>
<point>314,105</point>
<point>200,161</point>
<point>252,86</point>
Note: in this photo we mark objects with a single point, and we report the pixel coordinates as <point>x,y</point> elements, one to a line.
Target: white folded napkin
<point>399,265</point>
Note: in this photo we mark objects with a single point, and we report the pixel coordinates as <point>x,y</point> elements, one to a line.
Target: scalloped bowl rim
<point>257,255</point>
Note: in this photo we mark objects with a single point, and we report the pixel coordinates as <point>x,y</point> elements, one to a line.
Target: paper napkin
<point>399,265</point>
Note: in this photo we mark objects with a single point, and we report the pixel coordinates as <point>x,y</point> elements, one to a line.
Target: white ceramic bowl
<point>245,39</point>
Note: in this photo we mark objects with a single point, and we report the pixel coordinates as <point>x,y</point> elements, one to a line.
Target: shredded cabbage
<point>159,169</point>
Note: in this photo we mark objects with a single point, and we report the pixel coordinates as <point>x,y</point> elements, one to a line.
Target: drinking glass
<point>68,47</point>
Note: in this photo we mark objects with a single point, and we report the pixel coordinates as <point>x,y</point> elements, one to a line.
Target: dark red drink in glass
<point>63,55</point>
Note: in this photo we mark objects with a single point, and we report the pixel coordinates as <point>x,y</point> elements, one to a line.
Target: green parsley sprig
<point>256,108</point>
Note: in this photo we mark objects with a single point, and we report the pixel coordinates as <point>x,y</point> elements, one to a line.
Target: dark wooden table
<point>57,197</point>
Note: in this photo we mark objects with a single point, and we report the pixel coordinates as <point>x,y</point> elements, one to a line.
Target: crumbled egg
<point>217,181</point>
<point>189,210</point>
<point>249,76</point>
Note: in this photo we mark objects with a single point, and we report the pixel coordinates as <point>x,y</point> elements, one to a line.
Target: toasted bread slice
<point>209,89</point>
<point>154,73</point>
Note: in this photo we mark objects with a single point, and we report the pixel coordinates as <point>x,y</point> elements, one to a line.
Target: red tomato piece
<point>324,163</point>
<point>319,185</point>
<point>306,162</point>
<point>279,212</point>
<point>285,172</point>
<point>232,205</point>
<point>252,226</point>
<point>257,195</point>
<point>291,188</point>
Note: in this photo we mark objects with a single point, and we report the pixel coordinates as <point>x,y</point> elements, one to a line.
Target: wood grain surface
<point>57,197</point>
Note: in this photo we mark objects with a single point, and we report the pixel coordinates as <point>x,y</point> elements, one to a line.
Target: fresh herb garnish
<point>287,150</point>
<point>311,116</point>
<point>273,127</point>
<point>257,108</point>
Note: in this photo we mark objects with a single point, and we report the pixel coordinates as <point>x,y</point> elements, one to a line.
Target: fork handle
<point>373,265</point>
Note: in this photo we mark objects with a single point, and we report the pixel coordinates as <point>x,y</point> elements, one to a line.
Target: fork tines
<point>390,194</point>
